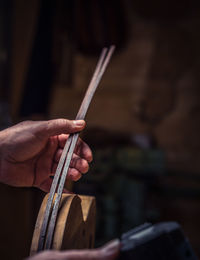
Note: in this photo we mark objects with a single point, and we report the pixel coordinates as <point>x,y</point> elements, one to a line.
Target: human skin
<point>29,155</point>
<point>107,252</point>
<point>30,151</point>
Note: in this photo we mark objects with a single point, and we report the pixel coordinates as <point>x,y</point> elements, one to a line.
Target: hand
<point>108,252</point>
<point>30,151</point>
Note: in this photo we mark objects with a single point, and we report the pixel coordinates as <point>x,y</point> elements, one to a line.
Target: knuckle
<point>61,121</point>
<point>85,166</point>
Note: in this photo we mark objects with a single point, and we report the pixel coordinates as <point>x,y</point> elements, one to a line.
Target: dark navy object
<point>162,241</point>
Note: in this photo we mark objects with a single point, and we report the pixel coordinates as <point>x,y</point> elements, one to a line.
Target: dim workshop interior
<point>143,122</point>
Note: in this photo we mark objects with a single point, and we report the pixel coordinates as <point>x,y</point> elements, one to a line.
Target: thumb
<point>61,126</point>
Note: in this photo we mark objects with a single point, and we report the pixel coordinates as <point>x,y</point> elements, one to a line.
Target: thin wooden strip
<point>93,86</point>
<point>60,167</point>
<point>81,114</point>
<point>52,193</point>
<point>52,221</point>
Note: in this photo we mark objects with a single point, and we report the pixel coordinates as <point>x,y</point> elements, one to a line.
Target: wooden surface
<point>75,225</point>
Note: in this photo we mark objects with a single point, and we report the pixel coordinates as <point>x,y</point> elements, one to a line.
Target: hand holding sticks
<point>48,225</point>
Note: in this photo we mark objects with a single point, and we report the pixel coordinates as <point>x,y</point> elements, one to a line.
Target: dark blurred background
<point>143,124</point>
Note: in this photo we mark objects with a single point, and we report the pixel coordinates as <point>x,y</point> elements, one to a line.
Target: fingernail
<point>79,123</point>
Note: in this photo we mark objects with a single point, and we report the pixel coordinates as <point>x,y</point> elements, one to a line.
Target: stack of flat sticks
<point>48,225</point>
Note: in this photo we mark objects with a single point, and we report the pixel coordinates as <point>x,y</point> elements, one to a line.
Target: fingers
<point>108,252</point>
<point>77,162</point>
<point>60,126</point>
<point>73,174</point>
<point>78,166</point>
<point>82,149</point>
<point>111,250</point>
